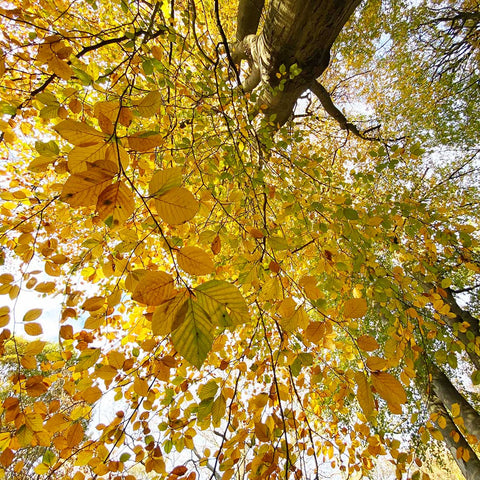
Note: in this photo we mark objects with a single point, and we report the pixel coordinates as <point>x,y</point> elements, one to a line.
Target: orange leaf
<point>75,435</point>
<point>33,329</point>
<point>367,343</point>
<point>355,308</point>
<point>390,389</point>
<point>82,189</point>
<point>115,204</point>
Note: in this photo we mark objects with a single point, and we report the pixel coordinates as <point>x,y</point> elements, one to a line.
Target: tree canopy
<point>257,223</point>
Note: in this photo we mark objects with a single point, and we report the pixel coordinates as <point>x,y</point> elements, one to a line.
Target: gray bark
<point>298,32</point>
<point>470,469</point>
<point>449,395</point>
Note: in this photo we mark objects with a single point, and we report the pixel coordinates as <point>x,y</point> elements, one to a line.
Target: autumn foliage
<point>232,299</point>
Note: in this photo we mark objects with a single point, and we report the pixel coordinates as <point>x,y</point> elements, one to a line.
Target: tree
<point>263,279</point>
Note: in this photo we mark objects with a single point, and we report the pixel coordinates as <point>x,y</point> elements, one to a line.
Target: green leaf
<point>194,338</point>
<point>350,214</point>
<point>223,302</point>
<point>208,390</point>
<point>87,359</point>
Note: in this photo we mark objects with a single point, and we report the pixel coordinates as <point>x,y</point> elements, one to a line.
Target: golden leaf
<point>83,189</point>
<point>364,394</point>
<point>376,363</point>
<point>109,109</point>
<point>309,285</point>
<point>194,261</point>
<point>170,315</point>
<point>118,155</point>
<point>93,303</point>
<point>262,432</point>
<point>140,386</point>
<point>32,314</point>
<point>60,68</point>
<point>176,206</point>
<point>154,288</point>
<point>33,329</point>
<point>82,158</point>
<point>142,142</point>
<point>390,389</point>
<point>355,308</point>
<point>315,332</point>
<point>164,180</point>
<point>79,133</point>
<point>115,204</point>
<point>367,343</point>
<point>150,104</point>
<point>75,435</point>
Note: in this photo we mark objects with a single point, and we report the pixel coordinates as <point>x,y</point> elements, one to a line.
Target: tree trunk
<point>449,395</point>
<point>471,468</point>
<point>297,32</point>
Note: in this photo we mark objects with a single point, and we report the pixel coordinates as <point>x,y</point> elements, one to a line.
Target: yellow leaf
<point>6,278</point>
<point>176,206</point>
<point>75,435</point>
<point>390,389</point>
<point>29,362</point>
<point>82,189</point>
<point>109,109</point>
<point>32,314</point>
<point>154,288</point>
<point>118,155</point>
<point>170,315</point>
<point>262,432</point>
<point>35,347</point>
<point>82,158</point>
<point>140,386</point>
<point>164,180</point>
<point>45,287</point>
<point>115,204</point>
<point>287,307</point>
<point>91,394</point>
<point>116,359</point>
<point>364,394</point>
<point>194,261</point>
<point>442,422</point>
<point>355,308</point>
<point>455,410</point>
<point>315,332</point>
<point>143,142</point>
<point>150,104</point>
<point>93,303</point>
<point>367,343</point>
<point>33,329</point>
<point>79,133</point>
<point>309,285</point>
<point>376,363</point>
<point>60,68</point>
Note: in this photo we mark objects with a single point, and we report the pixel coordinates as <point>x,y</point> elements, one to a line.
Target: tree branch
<point>248,17</point>
<point>326,100</point>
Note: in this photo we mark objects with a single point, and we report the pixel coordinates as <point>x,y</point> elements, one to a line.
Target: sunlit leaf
<point>194,338</point>
<point>176,206</point>
<point>195,261</point>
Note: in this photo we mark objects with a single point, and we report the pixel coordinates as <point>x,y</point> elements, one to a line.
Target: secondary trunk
<point>297,32</point>
<point>449,395</point>
<point>470,468</point>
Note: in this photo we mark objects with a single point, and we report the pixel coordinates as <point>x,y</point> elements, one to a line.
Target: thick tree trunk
<point>297,32</point>
<point>449,395</point>
<point>470,468</point>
